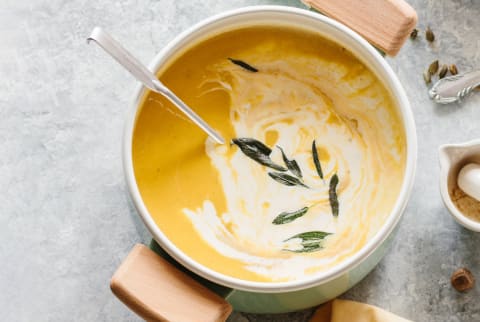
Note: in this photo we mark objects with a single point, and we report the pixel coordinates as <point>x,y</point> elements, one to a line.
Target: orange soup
<point>313,165</point>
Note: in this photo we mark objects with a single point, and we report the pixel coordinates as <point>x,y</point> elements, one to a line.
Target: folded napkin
<point>350,311</point>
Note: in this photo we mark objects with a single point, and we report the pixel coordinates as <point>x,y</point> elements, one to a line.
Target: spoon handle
<point>454,88</point>
<point>123,57</point>
<point>147,78</point>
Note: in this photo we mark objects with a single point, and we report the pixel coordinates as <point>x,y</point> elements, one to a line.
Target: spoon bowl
<point>454,88</point>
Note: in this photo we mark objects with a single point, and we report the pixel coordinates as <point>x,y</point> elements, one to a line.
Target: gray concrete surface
<point>66,221</point>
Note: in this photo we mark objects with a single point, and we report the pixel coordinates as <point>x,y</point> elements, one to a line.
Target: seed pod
<point>462,280</point>
<point>433,68</point>
<point>429,34</point>
<point>413,34</point>
<point>443,71</point>
<point>427,77</point>
<point>453,69</point>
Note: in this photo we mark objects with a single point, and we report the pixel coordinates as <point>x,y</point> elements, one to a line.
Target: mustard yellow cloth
<point>350,311</point>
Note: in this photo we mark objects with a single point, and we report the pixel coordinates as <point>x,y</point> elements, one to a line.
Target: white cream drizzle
<point>361,146</point>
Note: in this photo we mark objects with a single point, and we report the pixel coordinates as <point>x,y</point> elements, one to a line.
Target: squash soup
<point>313,166</point>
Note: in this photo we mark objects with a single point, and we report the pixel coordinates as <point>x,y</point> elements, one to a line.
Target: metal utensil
<point>454,88</point>
<point>147,78</point>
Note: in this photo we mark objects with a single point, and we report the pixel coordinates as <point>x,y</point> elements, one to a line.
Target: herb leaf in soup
<point>332,194</point>
<point>292,165</point>
<point>310,236</point>
<point>243,64</point>
<point>310,241</point>
<point>316,160</point>
<point>306,249</point>
<point>286,179</point>
<point>286,217</point>
<point>257,151</point>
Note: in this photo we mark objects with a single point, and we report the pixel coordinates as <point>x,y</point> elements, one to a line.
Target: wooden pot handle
<point>386,24</point>
<point>157,291</point>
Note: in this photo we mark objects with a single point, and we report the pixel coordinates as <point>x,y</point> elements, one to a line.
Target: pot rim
<point>397,91</point>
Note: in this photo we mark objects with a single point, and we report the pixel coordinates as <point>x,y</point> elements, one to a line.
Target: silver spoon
<point>147,78</point>
<point>454,88</point>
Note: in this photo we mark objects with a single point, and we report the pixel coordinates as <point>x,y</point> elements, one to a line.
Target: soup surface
<point>226,210</point>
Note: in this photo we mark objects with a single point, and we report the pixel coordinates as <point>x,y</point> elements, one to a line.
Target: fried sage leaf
<point>310,236</point>
<point>286,217</point>
<point>311,241</point>
<point>286,179</point>
<point>316,160</point>
<point>243,64</point>
<point>306,249</point>
<point>257,151</point>
<point>253,145</point>
<point>332,194</point>
<point>292,165</point>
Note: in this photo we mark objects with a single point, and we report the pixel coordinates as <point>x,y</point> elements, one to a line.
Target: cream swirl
<point>290,104</point>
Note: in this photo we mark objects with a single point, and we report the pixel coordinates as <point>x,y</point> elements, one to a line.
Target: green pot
<point>276,297</point>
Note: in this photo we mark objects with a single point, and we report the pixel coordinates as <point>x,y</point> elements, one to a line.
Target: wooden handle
<point>157,291</point>
<point>384,23</point>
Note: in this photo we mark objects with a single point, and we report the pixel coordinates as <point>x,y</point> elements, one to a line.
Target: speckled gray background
<point>66,221</point>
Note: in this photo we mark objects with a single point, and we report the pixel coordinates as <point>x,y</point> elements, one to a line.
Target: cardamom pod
<point>443,71</point>
<point>413,34</point>
<point>453,69</point>
<point>433,68</point>
<point>427,77</point>
<point>429,35</point>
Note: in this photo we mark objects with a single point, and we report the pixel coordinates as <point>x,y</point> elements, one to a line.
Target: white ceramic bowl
<point>291,295</point>
<point>452,158</point>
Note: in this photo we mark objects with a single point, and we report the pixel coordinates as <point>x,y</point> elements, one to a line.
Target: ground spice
<point>467,205</point>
